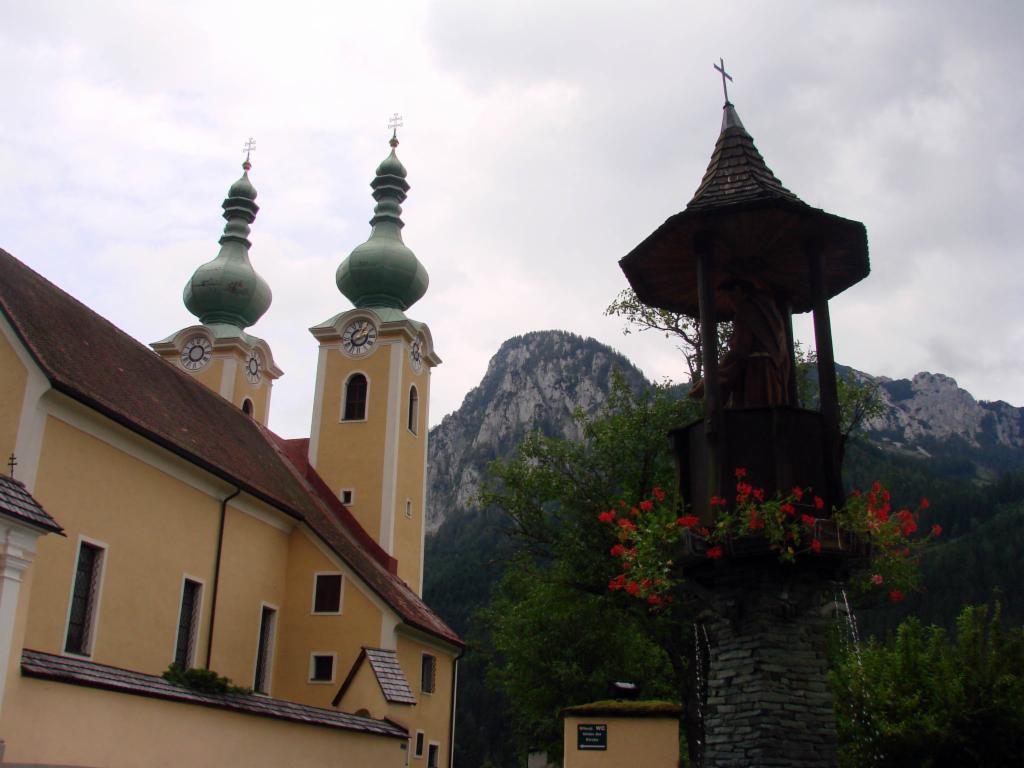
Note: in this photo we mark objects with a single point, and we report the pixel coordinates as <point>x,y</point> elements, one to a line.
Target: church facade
<point>152,519</point>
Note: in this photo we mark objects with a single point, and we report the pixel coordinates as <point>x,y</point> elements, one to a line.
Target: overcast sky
<point>543,141</point>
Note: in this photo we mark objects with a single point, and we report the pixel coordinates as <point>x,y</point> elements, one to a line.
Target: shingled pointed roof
<point>92,361</point>
<point>388,672</point>
<point>754,226</point>
<point>18,503</point>
<point>737,173</point>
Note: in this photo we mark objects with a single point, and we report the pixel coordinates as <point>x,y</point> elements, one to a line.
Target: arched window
<point>247,407</point>
<point>414,409</point>
<point>355,398</point>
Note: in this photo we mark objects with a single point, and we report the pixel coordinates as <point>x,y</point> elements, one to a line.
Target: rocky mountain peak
<point>533,382</point>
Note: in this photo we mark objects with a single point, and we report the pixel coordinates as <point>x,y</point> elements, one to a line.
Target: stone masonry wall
<point>769,702</point>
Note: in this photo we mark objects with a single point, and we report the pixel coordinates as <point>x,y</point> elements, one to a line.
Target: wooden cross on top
<point>725,76</point>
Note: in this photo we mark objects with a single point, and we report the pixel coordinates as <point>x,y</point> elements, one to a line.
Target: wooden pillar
<point>827,386</point>
<point>709,351</point>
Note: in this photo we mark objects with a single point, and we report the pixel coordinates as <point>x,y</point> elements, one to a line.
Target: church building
<point>149,518</point>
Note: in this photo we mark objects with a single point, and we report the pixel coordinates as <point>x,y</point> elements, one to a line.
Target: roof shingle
<point>18,503</point>
<point>62,669</point>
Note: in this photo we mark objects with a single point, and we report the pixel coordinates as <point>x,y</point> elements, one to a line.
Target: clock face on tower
<point>416,354</point>
<point>253,367</point>
<point>196,353</point>
<point>359,338</point>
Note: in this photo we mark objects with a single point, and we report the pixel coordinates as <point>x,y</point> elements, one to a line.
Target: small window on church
<point>414,409</point>
<point>321,668</point>
<point>418,746</point>
<point>247,407</point>
<point>327,593</point>
<point>427,673</point>
<point>355,398</point>
<point>347,495</point>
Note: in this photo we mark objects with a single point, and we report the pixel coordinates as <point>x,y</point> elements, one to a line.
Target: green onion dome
<point>227,289</point>
<point>383,272</point>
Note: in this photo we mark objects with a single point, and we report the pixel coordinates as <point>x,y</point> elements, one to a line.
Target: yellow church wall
<point>257,393</point>
<point>103,728</point>
<point>433,710</point>
<point>155,529</point>
<point>350,453</point>
<point>408,535</point>
<point>304,632</point>
<point>13,377</point>
<point>254,562</point>
<point>210,375</point>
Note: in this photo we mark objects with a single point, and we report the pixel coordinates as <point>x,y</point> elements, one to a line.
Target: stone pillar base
<point>769,703</point>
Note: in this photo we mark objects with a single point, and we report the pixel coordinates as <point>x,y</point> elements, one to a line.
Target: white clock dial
<point>253,367</point>
<point>196,353</point>
<point>416,355</point>
<point>359,338</point>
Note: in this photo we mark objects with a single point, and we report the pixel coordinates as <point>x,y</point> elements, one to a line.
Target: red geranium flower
<point>741,472</point>
<point>788,509</point>
<point>654,600</point>
<point>714,553</point>
<point>688,521</point>
<point>617,550</point>
<point>606,517</point>
<point>925,503</point>
<point>759,494</point>
<point>816,545</point>
<point>658,494</point>
<point>627,525</point>
<point>634,511</point>
<point>755,522</point>
<point>936,530</point>
<point>798,492</point>
<point>877,579</point>
<point>718,501</point>
<point>646,505</point>
<point>806,520</point>
<point>895,595</point>
<point>632,587</point>
<point>618,582</point>
<point>819,503</point>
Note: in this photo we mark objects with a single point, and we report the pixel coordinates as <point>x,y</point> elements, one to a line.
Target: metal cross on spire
<point>249,148</point>
<point>12,463</point>
<point>394,123</point>
<point>725,76</point>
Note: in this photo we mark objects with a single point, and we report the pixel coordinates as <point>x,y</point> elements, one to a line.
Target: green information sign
<point>592,736</point>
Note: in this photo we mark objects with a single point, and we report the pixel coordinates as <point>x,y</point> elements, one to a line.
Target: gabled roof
<point>92,361</point>
<point>18,503</point>
<point>385,667</point>
<point>48,666</point>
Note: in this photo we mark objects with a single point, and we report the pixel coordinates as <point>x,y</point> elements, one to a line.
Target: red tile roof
<point>92,361</point>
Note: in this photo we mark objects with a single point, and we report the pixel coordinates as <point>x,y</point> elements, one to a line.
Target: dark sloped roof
<point>18,503</point>
<point>62,669</point>
<point>737,173</point>
<point>89,359</point>
<point>385,667</point>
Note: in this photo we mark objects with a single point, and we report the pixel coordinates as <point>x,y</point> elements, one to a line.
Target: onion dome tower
<point>383,272</point>
<point>368,438</point>
<point>227,296</point>
<point>227,289</point>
